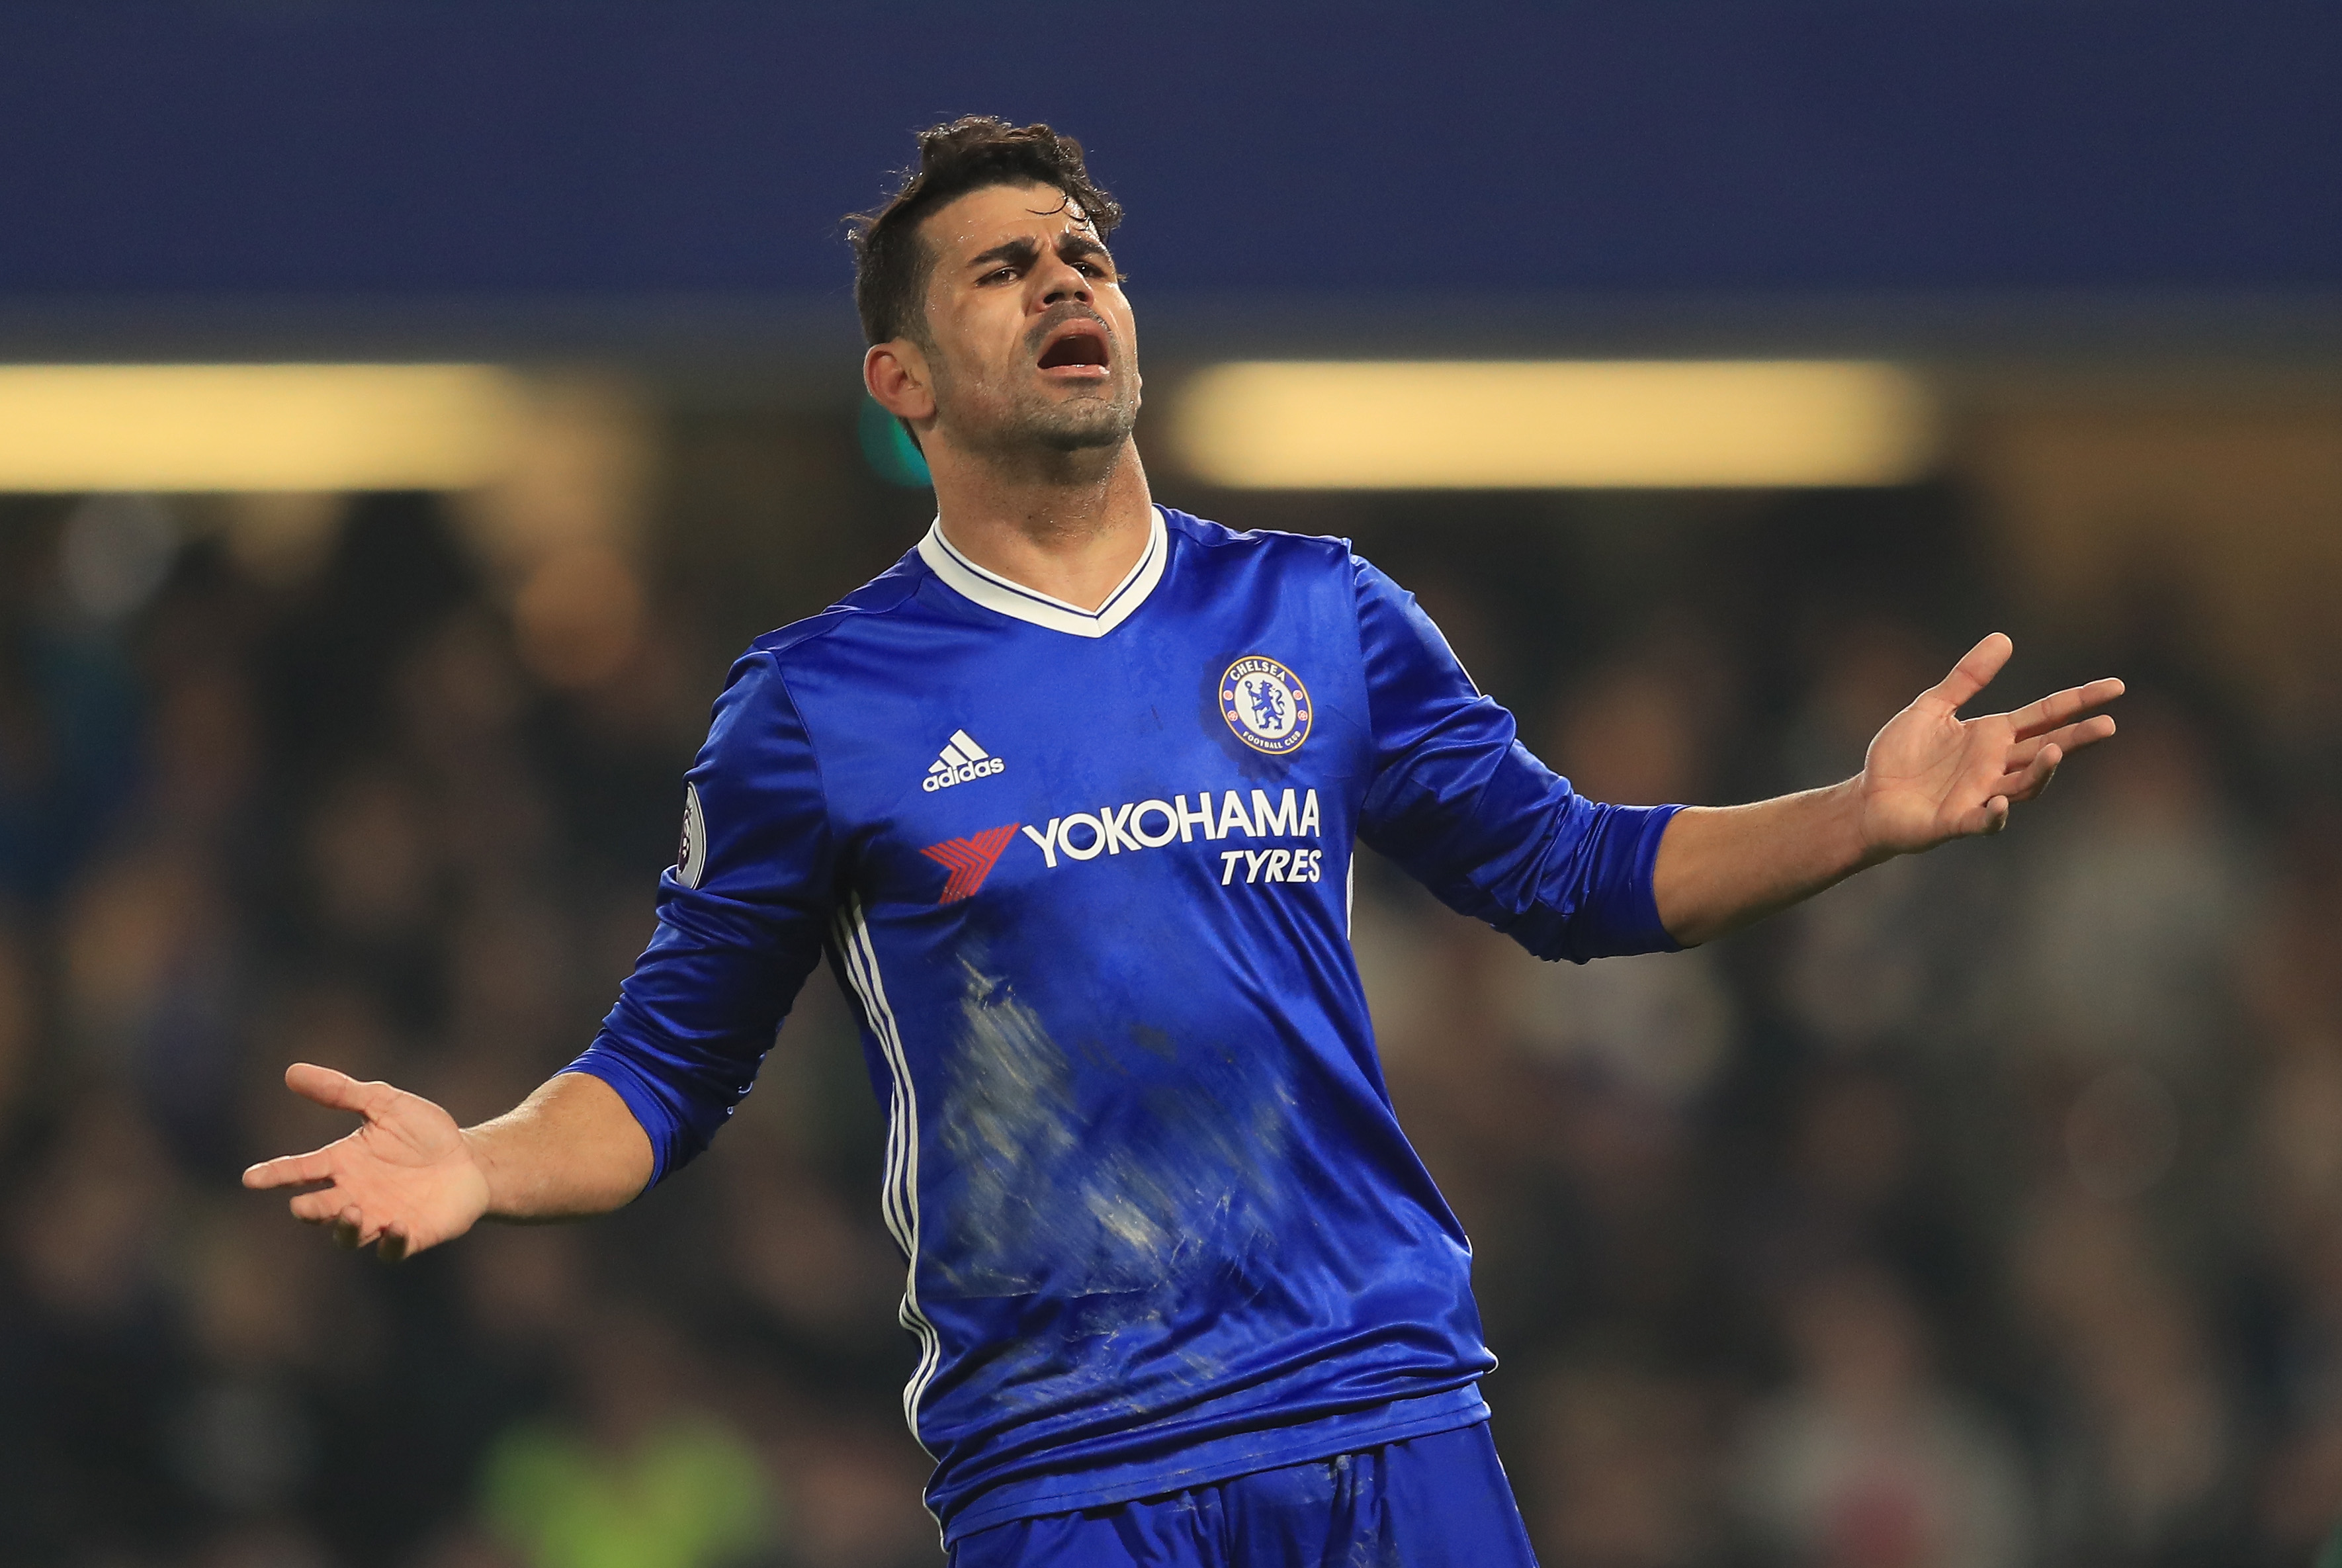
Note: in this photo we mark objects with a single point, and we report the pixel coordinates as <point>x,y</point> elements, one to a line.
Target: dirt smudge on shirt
<point>1119,1169</point>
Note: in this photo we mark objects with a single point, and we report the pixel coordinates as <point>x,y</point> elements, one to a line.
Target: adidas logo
<point>962,761</point>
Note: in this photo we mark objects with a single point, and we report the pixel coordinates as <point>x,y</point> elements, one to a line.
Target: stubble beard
<point>1021,420</point>
<point>1100,417</point>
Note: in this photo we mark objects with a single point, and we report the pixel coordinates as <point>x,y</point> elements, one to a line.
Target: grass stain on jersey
<point>1122,1172</point>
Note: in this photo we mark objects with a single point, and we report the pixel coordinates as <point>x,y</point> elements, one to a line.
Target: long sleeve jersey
<point>1085,876</point>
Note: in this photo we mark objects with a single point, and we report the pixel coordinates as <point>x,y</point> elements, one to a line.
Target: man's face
<point>1030,339</point>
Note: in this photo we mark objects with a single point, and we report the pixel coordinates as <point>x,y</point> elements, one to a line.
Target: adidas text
<point>943,777</point>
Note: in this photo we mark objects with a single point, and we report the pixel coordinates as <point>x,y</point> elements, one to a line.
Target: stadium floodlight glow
<point>1454,424</point>
<point>254,427</point>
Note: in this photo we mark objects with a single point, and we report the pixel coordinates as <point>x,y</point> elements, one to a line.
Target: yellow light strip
<point>254,427</point>
<point>1555,425</point>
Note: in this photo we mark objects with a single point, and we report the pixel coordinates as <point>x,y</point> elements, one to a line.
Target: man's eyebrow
<point>1021,250</point>
<point>1074,243</point>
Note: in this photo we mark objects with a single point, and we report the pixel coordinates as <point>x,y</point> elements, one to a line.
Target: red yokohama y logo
<point>971,860</point>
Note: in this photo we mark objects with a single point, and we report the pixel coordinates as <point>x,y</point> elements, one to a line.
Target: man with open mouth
<point>1068,798</point>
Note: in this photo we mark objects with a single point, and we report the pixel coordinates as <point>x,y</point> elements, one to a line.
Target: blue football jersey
<point>1085,875</point>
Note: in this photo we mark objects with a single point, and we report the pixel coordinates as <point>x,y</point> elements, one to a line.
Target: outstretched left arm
<point>1929,775</point>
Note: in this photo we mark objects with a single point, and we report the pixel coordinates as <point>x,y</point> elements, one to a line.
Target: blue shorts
<point>1434,1502</point>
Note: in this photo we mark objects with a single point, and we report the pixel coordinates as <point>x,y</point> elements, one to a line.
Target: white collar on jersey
<point>995,592</point>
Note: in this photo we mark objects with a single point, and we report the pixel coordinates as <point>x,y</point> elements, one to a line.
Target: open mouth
<point>1082,346</point>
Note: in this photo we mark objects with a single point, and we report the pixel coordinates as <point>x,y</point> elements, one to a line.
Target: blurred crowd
<point>1985,1212</point>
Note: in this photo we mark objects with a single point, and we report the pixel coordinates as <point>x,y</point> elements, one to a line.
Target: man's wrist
<point>479,1150</point>
<point>1859,844</point>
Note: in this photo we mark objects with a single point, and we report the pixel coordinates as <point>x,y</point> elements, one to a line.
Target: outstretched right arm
<point>409,1178</point>
<point>741,918</point>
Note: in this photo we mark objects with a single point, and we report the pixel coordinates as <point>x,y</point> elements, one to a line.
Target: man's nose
<point>1064,281</point>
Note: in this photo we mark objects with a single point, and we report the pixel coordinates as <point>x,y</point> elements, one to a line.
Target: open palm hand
<point>1931,775</point>
<point>404,1180</point>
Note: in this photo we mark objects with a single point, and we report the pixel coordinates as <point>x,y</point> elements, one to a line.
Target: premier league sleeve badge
<point>691,854</point>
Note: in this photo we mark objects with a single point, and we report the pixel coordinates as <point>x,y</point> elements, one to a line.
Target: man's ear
<point>897,373</point>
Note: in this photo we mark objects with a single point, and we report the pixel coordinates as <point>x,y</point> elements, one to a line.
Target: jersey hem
<point>1226,1459</point>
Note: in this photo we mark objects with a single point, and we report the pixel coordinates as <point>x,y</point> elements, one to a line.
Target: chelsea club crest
<point>1266,704</point>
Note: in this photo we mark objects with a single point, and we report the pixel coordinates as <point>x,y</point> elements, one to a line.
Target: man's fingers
<point>2088,732</point>
<point>2063,707</point>
<point>320,1208</point>
<point>1975,670</point>
<point>2024,782</point>
<point>1988,818</point>
<point>290,1169</point>
<point>348,1224</point>
<point>2067,741</point>
<point>337,1090</point>
<point>352,1229</point>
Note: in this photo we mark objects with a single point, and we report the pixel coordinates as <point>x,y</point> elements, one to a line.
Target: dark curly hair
<point>975,151</point>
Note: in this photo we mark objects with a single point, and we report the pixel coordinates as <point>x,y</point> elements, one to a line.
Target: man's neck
<point>1072,529</point>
